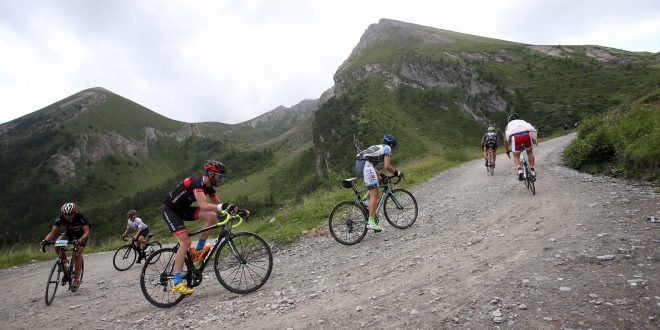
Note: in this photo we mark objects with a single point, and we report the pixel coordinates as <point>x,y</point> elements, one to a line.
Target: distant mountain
<point>109,153</point>
<point>436,89</point>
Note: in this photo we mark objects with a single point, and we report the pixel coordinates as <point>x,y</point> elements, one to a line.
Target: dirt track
<point>484,253</point>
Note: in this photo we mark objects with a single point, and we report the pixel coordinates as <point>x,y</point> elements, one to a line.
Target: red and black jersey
<point>75,226</point>
<point>181,197</point>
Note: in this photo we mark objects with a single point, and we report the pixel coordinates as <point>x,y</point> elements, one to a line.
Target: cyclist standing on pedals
<point>76,227</point>
<point>141,231</point>
<point>364,168</point>
<point>490,142</point>
<point>518,132</point>
<point>177,209</point>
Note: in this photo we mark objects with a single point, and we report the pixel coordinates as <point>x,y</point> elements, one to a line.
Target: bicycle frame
<point>386,191</point>
<point>222,235</point>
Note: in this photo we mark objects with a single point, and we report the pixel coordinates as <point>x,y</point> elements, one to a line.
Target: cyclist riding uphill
<point>72,226</point>
<point>520,132</point>
<point>177,208</point>
<point>364,168</point>
<point>141,230</point>
<point>489,142</point>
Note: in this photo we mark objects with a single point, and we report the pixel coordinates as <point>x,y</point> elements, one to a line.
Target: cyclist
<point>490,142</point>
<point>76,227</point>
<point>518,132</point>
<point>141,231</point>
<point>177,208</point>
<point>364,168</point>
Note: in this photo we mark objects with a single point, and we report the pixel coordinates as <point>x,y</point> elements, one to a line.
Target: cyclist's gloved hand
<point>228,207</point>
<point>42,244</point>
<point>398,173</point>
<point>244,213</point>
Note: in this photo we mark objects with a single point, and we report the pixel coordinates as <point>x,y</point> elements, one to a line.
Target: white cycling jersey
<point>136,224</point>
<point>519,126</point>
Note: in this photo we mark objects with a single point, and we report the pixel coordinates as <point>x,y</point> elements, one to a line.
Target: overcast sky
<point>232,60</point>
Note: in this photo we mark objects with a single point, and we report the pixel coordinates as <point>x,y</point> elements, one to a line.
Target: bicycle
<point>348,219</point>
<point>243,263</point>
<point>127,254</point>
<point>490,161</point>
<point>527,176</point>
<point>59,274</point>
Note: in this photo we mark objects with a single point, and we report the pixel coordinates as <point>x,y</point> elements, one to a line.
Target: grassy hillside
<point>620,142</point>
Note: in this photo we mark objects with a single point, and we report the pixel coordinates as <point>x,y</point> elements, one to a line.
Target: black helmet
<point>215,166</point>
<point>389,140</point>
<point>513,116</point>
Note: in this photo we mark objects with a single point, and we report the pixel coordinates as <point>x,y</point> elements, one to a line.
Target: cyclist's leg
<point>371,181</point>
<point>174,221</point>
<point>78,255</point>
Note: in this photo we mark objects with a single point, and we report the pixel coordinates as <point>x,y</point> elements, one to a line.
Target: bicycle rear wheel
<point>156,278</point>
<point>348,223</point>
<point>243,263</point>
<point>124,257</point>
<point>151,248</point>
<point>53,282</point>
<point>400,208</point>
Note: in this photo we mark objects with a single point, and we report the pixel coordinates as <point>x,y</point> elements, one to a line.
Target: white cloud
<point>230,61</point>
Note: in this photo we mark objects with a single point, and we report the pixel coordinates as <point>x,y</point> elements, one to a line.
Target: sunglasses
<point>219,176</point>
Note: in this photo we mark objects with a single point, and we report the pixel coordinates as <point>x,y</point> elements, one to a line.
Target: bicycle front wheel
<point>348,223</point>
<point>400,208</point>
<point>124,257</point>
<point>243,262</point>
<point>151,248</point>
<point>157,277</point>
<point>53,282</point>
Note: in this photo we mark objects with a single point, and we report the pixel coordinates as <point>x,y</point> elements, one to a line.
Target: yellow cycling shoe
<point>181,288</point>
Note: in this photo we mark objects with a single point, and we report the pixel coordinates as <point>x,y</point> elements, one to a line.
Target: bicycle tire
<point>124,257</point>
<point>531,185</point>
<point>156,279</point>
<point>153,247</point>
<point>526,171</point>
<point>53,283</point>
<point>348,223</point>
<point>249,269</point>
<point>404,216</point>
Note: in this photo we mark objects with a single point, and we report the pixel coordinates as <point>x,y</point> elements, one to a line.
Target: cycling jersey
<point>183,195</point>
<point>490,140</point>
<point>374,154</point>
<point>519,126</point>
<point>73,227</point>
<point>136,224</point>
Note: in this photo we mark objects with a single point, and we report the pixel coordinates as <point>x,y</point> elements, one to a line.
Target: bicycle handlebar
<point>60,243</point>
<point>229,217</point>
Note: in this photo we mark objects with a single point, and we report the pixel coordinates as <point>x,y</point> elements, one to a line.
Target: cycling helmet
<point>131,213</point>
<point>214,166</point>
<point>69,208</point>
<point>513,116</point>
<point>491,129</point>
<point>389,140</point>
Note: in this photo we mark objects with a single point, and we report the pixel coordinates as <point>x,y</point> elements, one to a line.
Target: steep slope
<point>439,89</point>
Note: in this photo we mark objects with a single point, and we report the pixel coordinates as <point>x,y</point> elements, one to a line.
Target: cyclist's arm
<point>51,235</point>
<point>215,200</point>
<point>387,164</point>
<point>85,233</point>
<point>125,232</point>
<point>204,204</point>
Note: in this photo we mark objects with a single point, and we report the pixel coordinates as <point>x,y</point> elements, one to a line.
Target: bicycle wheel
<point>243,263</point>
<point>526,173</point>
<point>400,208</point>
<point>348,223</point>
<point>151,248</point>
<point>156,278</point>
<point>530,183</point>
<point>53,282</point>
<point>124,257</point>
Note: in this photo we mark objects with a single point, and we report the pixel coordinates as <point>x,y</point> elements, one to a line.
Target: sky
<point>232,60</point>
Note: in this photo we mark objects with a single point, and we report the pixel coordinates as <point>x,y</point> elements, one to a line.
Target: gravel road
<point>484,253</point>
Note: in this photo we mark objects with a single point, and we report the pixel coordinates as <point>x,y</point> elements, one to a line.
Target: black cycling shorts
<point>174,220</point>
